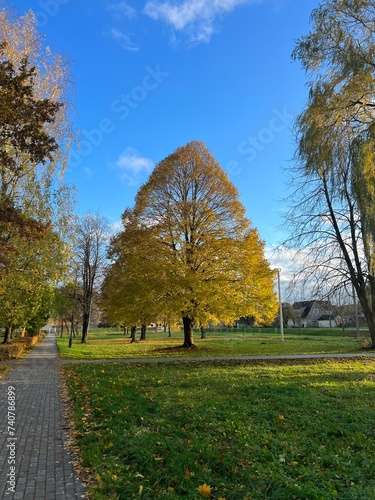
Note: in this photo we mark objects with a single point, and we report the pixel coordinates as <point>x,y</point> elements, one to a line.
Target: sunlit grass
<point>233,430</point>
<point>112,345</point>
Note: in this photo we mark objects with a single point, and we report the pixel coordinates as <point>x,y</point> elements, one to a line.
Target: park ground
<point>229,429</point>
<point>277,429</point>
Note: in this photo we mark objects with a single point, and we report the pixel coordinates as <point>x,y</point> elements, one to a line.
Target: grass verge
<point>111,345</point>
<point>228,430</point>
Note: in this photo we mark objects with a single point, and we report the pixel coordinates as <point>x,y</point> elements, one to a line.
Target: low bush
<point>16,349</point>
<point>13,350</point>
<point>29,341</point>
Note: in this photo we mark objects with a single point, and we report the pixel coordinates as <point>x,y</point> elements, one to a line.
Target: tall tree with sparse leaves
<point>333,203</point>
<point>90,247</point>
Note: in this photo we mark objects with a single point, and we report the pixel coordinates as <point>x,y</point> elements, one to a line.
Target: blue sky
<point>150,76</point>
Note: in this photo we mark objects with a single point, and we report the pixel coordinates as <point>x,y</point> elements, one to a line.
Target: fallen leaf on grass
<point>205,490</point>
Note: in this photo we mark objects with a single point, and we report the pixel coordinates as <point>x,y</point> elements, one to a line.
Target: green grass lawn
<point>114,345</point>
<point>278,430</point>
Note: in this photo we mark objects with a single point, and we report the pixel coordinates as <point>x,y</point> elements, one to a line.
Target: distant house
<point>349,314</point>
<point>313,313</point>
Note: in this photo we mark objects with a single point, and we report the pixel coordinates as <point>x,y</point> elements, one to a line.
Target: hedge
<point>16,349</point>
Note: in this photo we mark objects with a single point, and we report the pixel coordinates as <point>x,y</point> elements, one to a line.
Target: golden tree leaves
<point>187,248</point>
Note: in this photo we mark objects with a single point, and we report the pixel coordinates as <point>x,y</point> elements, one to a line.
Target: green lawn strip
<point>112,346</point>
<point>284,430</point>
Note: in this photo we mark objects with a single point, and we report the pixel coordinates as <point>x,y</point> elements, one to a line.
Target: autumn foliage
<point>187,250</point>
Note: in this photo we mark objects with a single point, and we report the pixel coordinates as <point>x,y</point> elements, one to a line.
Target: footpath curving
<point>34,464</point>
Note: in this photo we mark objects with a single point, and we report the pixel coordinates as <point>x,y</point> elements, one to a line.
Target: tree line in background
<point>186,252</point>
<point>45,250</point>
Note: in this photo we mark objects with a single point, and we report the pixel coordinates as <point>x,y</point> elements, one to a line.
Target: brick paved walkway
<point>42,466</point>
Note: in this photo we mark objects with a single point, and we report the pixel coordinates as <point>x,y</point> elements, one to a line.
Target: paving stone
<point>42,467</point>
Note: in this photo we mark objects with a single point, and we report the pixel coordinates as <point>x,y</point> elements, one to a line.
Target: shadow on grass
<point>178,349</point>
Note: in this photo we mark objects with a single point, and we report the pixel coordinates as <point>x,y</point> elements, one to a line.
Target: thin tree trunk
<point>188,332</point>
<point>85,327</point>
<point>143,332</point>
<point>71,332</point>
<point>7,335</point>
<point>133,333</point>
<point>203,333</point>
<point>370,319</point>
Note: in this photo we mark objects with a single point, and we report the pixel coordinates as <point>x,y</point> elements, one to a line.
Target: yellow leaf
<point>170,489</point>
<point>281,417</point>
<point>140,489</point>
<point>205,490</point>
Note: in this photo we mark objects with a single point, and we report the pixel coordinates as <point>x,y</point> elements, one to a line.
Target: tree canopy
<point>35,134</point>
<point>188,250</point>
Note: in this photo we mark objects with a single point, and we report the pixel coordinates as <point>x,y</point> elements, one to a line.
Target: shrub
<point>29,341</point>
<point>12,351</point>
<point>16,349</point>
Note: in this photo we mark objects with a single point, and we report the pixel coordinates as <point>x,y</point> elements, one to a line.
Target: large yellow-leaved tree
<point>187,248</point>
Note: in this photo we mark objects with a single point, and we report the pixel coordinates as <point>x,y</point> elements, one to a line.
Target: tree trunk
<point>367,310</point>
<point>133,332</point>
<point>203,333</point>
<point>188,332</point>
<point>85,327</point>
<point>143,332</point>
<point>371,327</point>
<point>71,331</point>
<point>370,320</point>
<point>23,333</point>
<point>7,335</point>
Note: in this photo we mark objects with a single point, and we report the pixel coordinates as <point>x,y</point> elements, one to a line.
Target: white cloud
<point>123,39</point>
<point>122,9</point>
<point>131,165</point>
<point>196,17</point>
<point>116,227</point>
<point>289,262</point>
